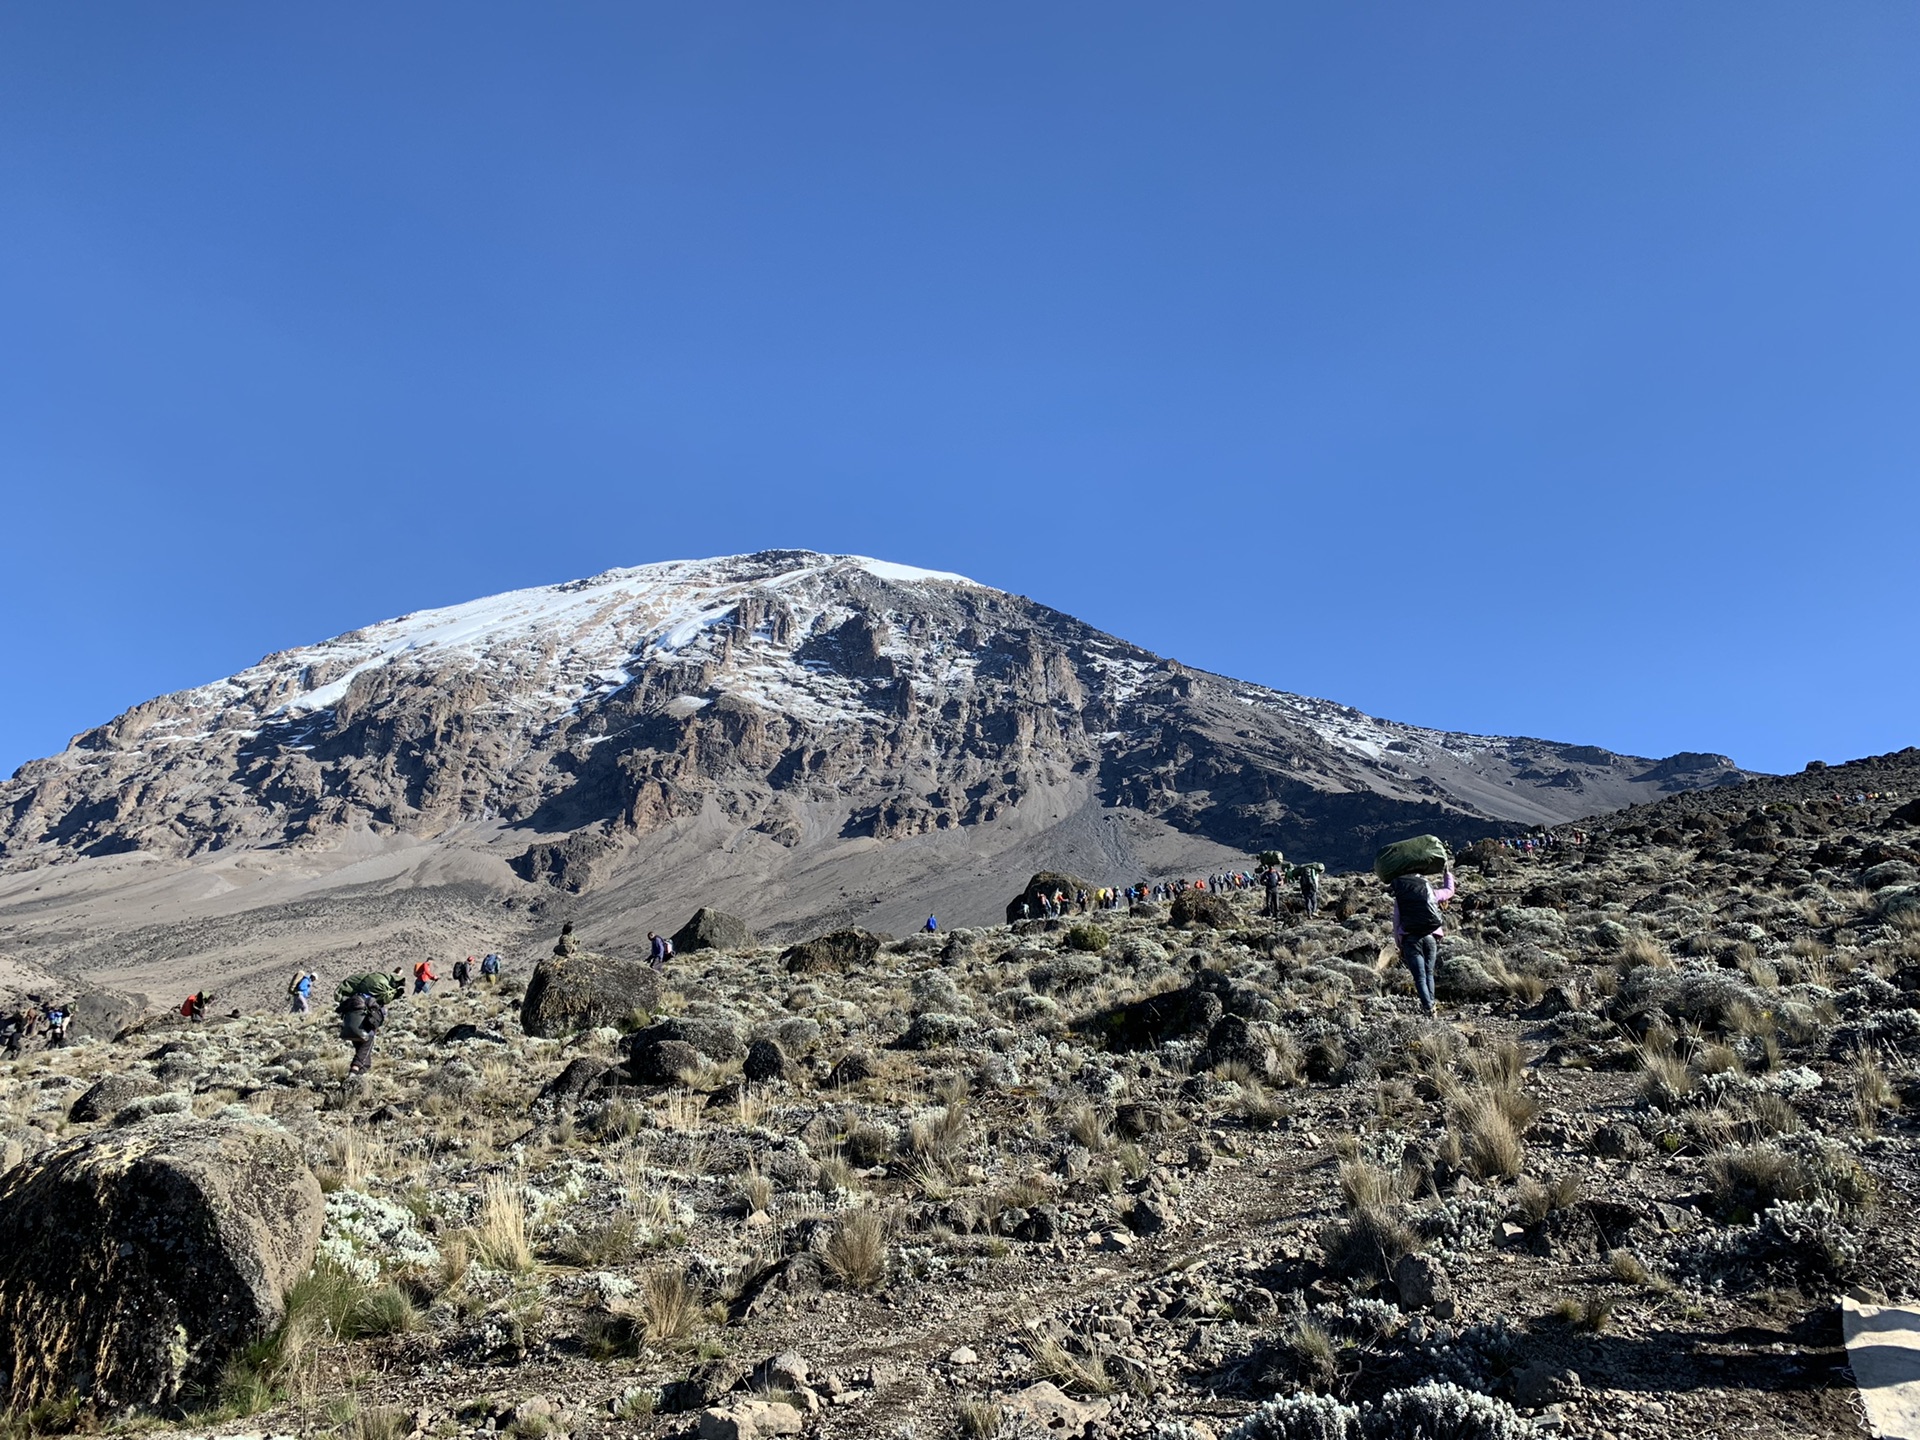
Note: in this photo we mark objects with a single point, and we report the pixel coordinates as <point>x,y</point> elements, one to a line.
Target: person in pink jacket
<point>1417,929</point>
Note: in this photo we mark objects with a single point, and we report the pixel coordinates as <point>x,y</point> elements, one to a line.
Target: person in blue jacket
<point>932,925</point>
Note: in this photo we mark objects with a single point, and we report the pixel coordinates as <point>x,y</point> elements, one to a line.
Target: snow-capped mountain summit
<point>804,698</point>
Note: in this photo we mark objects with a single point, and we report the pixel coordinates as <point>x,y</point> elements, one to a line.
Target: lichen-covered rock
<point>1201,907</point>
<point>765,1061</point>
<point>716,1036</point>
<point>1236,1041</point>
<point>584,991</point>
<point>656,1060</point>
<point>711,929</point>
<point>135,1261</point>
<point>934,1029</point>
<point>669,1049</point>
<point>106,1096</point>
<point>840,950</point>
<point>584,1075</point>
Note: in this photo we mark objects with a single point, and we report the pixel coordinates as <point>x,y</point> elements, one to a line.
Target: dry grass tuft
<point>979,1419</point>
<point>1536,1201</point>
<point>754,1193</point>
<point>1665,1079</point>
<point>1591,1314</point>
<point>1629,1269</point>
<point>857,1251</point>
<point>1089,1127</point>
<point>1642,949</point>
<point>499,1232</point>
<point>1364,1186</point>
<point>1873,1092</point>
<point>1085,1373</point>
<point>1490,1144</point>
<point>1367,1243</point>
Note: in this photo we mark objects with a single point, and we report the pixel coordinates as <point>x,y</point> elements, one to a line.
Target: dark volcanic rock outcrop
<point>711,929</point>
<point>841,950</point>
<point>583,990</point>
<point>135,1261</point>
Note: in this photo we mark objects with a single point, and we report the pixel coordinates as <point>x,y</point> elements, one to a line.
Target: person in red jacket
<point>423,977</point>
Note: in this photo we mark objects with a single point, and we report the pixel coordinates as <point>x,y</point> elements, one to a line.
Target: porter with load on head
<point>1417,923</point>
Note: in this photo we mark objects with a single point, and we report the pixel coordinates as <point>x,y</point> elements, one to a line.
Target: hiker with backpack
<point>1308,878</point>
<point>194,1007</point>
<point>1271,910</point>
<point>490,968</point>
<point>423,977</point>
<point>463,972</point>
<point>361,1017</point>
<point>1418,928</point>
<point>300,993</point>
<point>362,1008</point>
<point>932,926</point>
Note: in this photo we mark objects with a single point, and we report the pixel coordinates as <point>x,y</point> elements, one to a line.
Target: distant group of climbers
<point>360,1000</point>
<point>35,1018</point>
<point>1060,902</point>
<point>1544,840</point>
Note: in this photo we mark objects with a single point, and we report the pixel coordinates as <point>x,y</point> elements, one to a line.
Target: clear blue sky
<point>1534,368</point>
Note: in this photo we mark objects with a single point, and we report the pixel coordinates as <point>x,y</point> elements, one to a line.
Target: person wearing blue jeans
<point>1421,953</point>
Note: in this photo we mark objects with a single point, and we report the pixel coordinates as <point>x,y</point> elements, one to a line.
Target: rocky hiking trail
<point>1106,1175</point>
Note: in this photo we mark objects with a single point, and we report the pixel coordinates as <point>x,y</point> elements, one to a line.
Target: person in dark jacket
<point>361,1017</point>
<point>1308,878</point>
<point>1419,943</point>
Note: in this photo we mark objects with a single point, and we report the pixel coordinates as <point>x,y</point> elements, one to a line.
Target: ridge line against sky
<point>1512,371</point>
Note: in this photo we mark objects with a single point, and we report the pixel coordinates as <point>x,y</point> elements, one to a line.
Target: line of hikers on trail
<point>36,1019</point>
<point>361,1000</point>
<point>1540,841</point>
<point>1113,897</point>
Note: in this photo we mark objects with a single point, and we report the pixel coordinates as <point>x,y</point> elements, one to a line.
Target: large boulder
<point>665,1052</point>
<point>1193,1009</point>
<point>712,930</point>
<point>584,990</point>
<point>1202,907</point>
<point>1046,883</point>
<point>134,1262</point>
<point>106,1097</point>
<point>584,1075</point>
<point>933,1029</point>
<point>841,950</point>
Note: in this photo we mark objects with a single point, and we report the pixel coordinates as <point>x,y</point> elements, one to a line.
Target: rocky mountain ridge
<point>805,698</point>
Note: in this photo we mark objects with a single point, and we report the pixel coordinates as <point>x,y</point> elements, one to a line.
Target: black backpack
<point>1413,901</point>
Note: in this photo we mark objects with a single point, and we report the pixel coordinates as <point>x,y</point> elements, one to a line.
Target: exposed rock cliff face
<point>807,697</point>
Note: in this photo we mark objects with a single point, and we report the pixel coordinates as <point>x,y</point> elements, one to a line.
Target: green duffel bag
<point>1422,855</point>
<point>381,987</point>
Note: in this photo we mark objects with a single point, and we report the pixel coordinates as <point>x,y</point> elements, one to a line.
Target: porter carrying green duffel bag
<point>1422,855</point>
